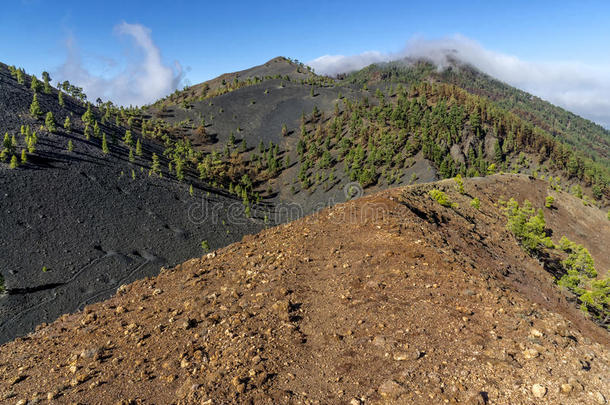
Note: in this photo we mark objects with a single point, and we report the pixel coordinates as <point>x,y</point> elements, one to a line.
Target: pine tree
<point>132,158</point>
<point>284,130</point>
<point>35,84</point>
<point>7,141</point>
<point>88,115</point>
<point>31,142</point>
<point>87,132</point>
<point>248,210</point>
<point>35,110</point>
<point>14,162</point>
<point>67,124</point>
<point>70,146</point>
<point>105,149</point>
<point>96,130</point>
<point>128,139</point>
<point>156,165</point>
<point>138,147</point>
<point>180,170</point>
<point>191,191</point>
<point>50,122</point>
<point>47,79</point>
<point>20,76</point>
<point>24,156</point>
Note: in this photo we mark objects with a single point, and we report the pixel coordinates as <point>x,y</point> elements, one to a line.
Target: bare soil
<point>390,298</point>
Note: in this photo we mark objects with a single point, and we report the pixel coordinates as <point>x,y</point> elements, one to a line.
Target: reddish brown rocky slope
<point>390,298</point>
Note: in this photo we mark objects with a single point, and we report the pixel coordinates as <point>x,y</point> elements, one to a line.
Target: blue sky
<point>210,38</point>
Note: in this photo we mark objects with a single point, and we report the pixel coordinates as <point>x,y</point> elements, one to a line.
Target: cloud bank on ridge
<point>578,87</point>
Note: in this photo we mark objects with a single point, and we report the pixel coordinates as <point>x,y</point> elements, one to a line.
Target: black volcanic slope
<point>92,221</point>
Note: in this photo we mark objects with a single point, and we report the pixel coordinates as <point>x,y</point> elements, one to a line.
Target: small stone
<point>566,388</point>
<point>379,341</point>
<point>355,401</point>
<point>575,384</point>
<point>390,389</point>
<point>281,306</point>
<point>536,333</point>
<point>530,353</point>
<point>401,356</point>
<point>538,390</point>
<point>89,353</point>
<point>599,397</point>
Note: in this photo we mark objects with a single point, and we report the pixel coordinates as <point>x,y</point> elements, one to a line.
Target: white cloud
<point>144,79</point>
<point>578,87</point>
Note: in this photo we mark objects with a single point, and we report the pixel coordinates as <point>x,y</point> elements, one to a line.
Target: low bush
<point>527,226</point>
<point>441,198</point>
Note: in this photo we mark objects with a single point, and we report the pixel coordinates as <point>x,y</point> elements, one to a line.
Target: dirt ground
<point>390,298</point>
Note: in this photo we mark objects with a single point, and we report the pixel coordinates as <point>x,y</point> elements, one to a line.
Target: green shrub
<point>475,203</point>
<point>578,258</point>
<point>14,162</point>
<point>548,202</point>
<point>597,299</point>
<point>441,198</point>
<point>579,278</point>
<point>459,184</point>
<point>527,226</point>
<point>205,245</point>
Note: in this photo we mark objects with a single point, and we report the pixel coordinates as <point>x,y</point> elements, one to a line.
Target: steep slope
<point>442,303</point>
<point>589,138</point>
<point>78,223</point>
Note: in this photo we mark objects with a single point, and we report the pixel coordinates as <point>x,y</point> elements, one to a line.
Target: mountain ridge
<point>441,301</point>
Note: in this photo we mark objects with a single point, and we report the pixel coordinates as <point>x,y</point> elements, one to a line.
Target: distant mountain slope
<point>76,224</point>
<point>440,302</point>
<point>276,68</point>
<point>590,139</point>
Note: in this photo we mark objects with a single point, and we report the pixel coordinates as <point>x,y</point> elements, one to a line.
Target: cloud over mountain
<point>578,87</point>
